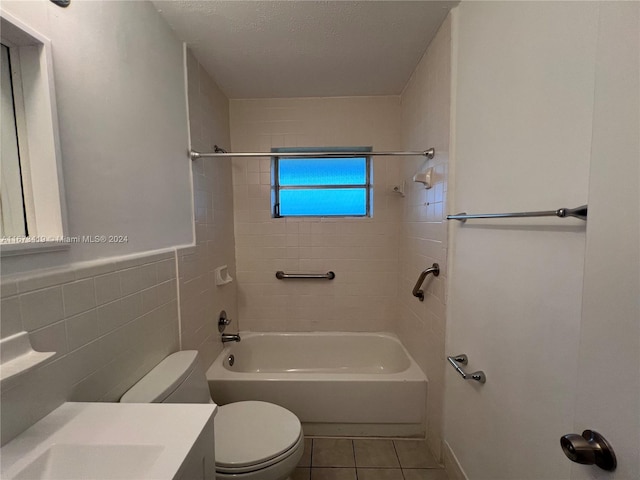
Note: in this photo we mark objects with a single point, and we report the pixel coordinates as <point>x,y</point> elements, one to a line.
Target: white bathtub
<point>336,383</point>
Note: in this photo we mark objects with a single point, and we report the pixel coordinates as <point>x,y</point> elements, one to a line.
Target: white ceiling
<point>300,48</point>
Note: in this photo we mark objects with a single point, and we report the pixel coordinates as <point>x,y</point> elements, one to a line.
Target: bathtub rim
<point>217,371</point>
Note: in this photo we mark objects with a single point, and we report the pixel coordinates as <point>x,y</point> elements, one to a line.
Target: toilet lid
<point>250,433</point>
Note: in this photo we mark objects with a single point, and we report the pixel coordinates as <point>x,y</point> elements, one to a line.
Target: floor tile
<point>414,454</point>
<point>333,474</point>
<point>424,474</point>
<point>379,474</point>
<point>301,474</point>
<point>332,452</point>
<point>305,461</point>
<point>375,453</point>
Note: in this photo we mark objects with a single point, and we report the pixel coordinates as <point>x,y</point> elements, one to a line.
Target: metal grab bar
<point>435,269</point>
<point>578,212</point>
<point>478,376</point>
<point>280,275</point>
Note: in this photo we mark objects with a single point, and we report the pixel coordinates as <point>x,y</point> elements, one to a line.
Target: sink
<point>92,462</point>
<point>109,441</point>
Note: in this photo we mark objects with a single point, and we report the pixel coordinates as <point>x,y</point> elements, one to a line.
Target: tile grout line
<point>398,458</point>
<point>355,465</point>
<point>311,460</point>
<point>356,468</point>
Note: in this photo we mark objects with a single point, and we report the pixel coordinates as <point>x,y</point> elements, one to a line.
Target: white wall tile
<point>78,296</point>
<point>166,270</point>
<point>81,329</point>
<point>107,288</point>
<point>131,307</point>
<point>8,287</point>
<point>425,124</point>
<point>131,280</point>
<point>41,307</point>
<point>11,317</point>
<point>45,278</point>
<point>52,338</point>
<point>110,316</point>
<point>200,298</point>
<point>265,245</point>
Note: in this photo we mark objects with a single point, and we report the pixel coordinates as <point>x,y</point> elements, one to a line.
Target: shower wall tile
<point>100,351</point>
<point>200,299</point>
<point>363,252</point>
<point>425,123</point>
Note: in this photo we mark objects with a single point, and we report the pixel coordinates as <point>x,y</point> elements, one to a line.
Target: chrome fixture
<point>454,360</point>
<point>61,3</point>
<point>280,275</point>
<point>578,212</point>
<point>588,449</point>
<point>435,269</point>
<point>230,337</point>
<point>223,321</point>
<point>231,360</point>
<point>221,152</point>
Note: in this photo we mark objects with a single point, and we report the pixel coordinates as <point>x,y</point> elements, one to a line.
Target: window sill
<point>11,249</point>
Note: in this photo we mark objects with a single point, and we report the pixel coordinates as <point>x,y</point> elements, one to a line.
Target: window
<point>12,213</point>
<point>321,187</point>
<point>32,213</point>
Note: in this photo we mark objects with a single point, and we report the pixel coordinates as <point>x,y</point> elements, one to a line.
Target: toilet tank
<point>179,378</point>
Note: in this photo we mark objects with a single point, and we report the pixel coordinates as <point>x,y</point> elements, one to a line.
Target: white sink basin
<point>92,462</point>
<point>109,441</point>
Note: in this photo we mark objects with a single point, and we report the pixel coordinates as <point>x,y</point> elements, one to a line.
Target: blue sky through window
<point>296,173</point>
<point>322,171</point>
<point>336,201</point>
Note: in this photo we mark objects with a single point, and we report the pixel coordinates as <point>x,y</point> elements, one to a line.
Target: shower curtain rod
<point>220,152</point>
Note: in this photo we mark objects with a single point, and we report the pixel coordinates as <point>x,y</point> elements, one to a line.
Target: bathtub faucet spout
<point>230,337</point>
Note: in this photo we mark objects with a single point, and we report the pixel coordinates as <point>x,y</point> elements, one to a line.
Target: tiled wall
<point>200,299</point>
<point>363,252</point>
<point>108,322</point>
<point>425,123</point>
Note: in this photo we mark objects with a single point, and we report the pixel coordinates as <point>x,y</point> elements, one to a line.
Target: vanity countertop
<point>117,440</point>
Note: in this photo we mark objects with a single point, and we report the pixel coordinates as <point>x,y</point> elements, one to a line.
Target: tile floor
<point>367,459</point>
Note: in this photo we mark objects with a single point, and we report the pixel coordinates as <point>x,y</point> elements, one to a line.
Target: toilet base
<point>278,471</point>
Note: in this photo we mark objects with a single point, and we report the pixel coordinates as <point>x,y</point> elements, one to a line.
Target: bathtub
<point>337,383</point>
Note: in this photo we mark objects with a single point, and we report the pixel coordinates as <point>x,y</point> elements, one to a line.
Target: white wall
<point>523,120</point>
<point>200,299</point>
<point>423,238</point>
<point>122,115</point>
<point>608,391</point>
<point>363,252</point>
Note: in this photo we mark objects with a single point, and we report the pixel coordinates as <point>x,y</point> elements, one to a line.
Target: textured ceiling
<point>306,48</point>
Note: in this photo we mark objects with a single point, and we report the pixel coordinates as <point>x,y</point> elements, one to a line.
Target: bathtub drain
<point>231,360</point>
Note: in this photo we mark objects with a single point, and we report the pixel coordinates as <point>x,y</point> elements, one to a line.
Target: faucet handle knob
<point>223,321</point>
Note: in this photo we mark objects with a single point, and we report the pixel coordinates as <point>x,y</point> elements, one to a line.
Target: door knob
<point>588,449</point>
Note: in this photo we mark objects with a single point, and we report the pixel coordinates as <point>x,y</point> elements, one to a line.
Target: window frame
<point>276,187</point>
<point>38,140</point>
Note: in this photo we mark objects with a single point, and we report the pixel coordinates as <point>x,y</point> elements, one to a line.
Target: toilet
<point>253,440</point>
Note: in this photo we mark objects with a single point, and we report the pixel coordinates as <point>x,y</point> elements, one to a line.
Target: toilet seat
<point>253,435</point>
